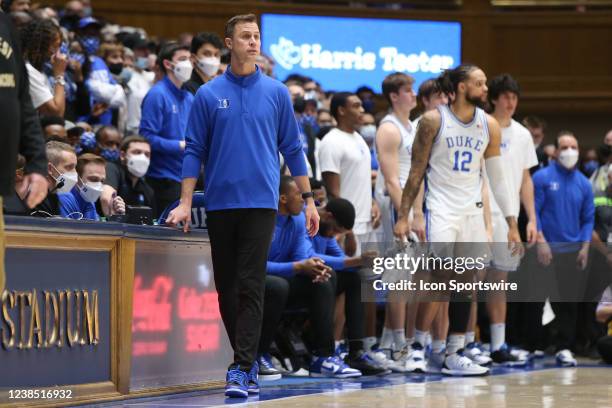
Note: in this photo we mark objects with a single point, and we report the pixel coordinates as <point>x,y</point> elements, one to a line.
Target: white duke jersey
<point>453,177</point>
<point>404,154</point>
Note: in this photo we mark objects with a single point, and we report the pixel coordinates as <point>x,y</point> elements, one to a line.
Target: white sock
<point>368,342</point>
<point>399,339</point>
<point>437,346</point>
<point>420,337</point>
<point>498,335</point>
<point>338,343</point>
<point>429,340</point>
<point>470,337</point>
<point>455,343</point>
<point>386,339</point>
<point>409,341</point>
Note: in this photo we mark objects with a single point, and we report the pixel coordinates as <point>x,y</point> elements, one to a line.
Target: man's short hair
<point>428,88</point>
<point>534,122</point>
<point>51,120</point>
<point>167,52</point>
<point>241,18</point>
<point>54,151</point>
<point>393,82</point>
<point>339,99</point>
<point>108,48</point>
<point>563,133</point>
<point>500,84</point>
<point>88,158</point>
<point>343,211</point>
<point>285,181</point>
<point>125,143</point>
<point>102,129</point>
<point>205,38</point>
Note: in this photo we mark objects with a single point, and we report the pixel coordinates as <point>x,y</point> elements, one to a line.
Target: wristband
<point>307,195</point>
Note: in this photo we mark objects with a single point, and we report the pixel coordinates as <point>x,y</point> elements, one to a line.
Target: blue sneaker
<point>236,383</point>
<point>267,371</point>
<point>332,367</point>
<point>253,386</point>
<point>341,351</point>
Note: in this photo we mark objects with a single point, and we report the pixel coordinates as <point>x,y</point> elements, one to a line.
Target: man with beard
<point>448,150</point>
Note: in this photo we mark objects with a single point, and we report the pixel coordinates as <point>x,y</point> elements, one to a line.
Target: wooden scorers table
<point>96,312</point>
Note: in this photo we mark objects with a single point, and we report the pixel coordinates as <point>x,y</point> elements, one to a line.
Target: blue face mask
<point>590,167</point>
<point>90,44</point>
<point>87,140</point>
<point>142,63</point>
<point>110,154</point>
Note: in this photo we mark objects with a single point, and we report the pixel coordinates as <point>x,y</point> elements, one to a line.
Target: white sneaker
<point>380,359</point>
<point>398,363</point>
<point>565,358</point>
<point>474,353</point>
<point>520,354</point>
<point>416,363</point>
<point>435,362</point>
<point>460,365</point>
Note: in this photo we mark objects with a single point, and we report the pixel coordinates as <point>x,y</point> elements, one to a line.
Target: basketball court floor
<point>540,385</point>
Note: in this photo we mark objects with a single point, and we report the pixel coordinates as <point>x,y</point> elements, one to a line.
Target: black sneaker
<point>505,358</point>
<point>365,364</point>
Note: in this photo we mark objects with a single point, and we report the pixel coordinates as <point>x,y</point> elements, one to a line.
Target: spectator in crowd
<point>165,111</point>
<point>11,6</point>
<point>21,132</point>
<point>20,19</point>
<point>206,59</point>
<point>107,95</point>
<point>366,95</point>
<point>563,193</point>
<point>185,39</point>
<point>54,128</point>
<point>62,175</point>
<point>126,178</point>
<point>14,202</point>
<point>367,130</point>
<point>112,55</point>
<point>41,41</point>
<point>429,97</point>
<point>108,141</point>
<point>324,118</point>
<point>537,127</point>
<point>139,83</point>
<point>599,179</point>
<point>589,163</point>
<point>80,202</point>
<point>608,138</point>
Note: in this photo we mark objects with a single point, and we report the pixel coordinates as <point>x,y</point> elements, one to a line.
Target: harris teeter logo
<point>289,55</point>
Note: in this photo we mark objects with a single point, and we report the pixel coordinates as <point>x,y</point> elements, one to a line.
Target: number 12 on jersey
<point>462,160</point>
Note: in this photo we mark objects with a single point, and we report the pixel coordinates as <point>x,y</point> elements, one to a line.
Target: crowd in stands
<point>114,103</point>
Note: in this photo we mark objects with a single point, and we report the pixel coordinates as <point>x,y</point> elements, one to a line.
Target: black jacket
<point>20,130</point>
<point>194,83</point>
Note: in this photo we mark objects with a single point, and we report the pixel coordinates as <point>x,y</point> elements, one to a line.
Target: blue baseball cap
<point>86,21</point>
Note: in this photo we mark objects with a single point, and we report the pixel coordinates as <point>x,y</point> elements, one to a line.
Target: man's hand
<point>367,258</point>
<point>98,109</point>
<point>532,232</point>
<point>118,205</point>
<point>514,241</point>
<point>544,253</point>
<point>402,226</point>
<point>312,218</point>
<point>314,268</point>
<point>418,226</point>
<point>182,144</point>
<point>583,257</point>
<point>36,187</point>
<point>375,214</point>
<point>59,62</point>
<point>182,213</point>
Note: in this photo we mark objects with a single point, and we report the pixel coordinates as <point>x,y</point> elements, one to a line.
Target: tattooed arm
<point>421,149</point>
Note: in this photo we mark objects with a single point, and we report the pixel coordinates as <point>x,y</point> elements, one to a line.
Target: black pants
<point>320,299</point>
<point>166,192</point>
<point>571,283</point>
<point>275,299</point>
<point>350,284</point>
<point>240,240</point>
<point>604,346</point>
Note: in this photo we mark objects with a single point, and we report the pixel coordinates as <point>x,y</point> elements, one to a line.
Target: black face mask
<point>299,105</point>
<point>115,68</point>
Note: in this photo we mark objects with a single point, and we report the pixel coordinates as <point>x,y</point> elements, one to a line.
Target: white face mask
<point>138,164</point>
<point>209,65</point>
<point>69,179</point>
<point>91,191</point>
<point>368,132</point>
<point>568,158</point>
<point>183,70</point>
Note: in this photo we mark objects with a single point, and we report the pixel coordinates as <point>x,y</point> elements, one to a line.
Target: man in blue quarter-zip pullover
<point>238,124</point>
<point>165,112</point>
<point>565,213</point>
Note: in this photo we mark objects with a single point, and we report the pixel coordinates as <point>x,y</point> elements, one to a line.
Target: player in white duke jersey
<point>518,152</point>
<point>448,149</point>
<point>394,139</point>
